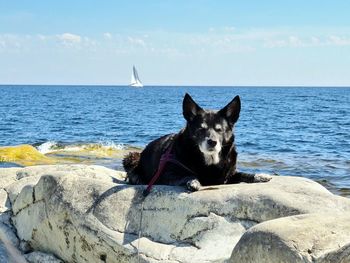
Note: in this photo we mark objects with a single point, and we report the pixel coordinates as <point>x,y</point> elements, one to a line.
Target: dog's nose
<point>211,143</point>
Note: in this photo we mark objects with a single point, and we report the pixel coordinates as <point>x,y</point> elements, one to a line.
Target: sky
<point>182,42</point>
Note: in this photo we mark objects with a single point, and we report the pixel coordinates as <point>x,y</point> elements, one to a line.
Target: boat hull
<point>136,85</point>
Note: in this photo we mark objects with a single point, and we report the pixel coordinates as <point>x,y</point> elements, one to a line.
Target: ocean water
<point>282,130</point>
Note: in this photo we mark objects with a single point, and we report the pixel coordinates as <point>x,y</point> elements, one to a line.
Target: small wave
<point>112,145</point>
<point>47,147</point>
<point>100,147</point>
<point>54,147</point>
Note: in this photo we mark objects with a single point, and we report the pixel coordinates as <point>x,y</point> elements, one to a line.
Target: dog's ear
<point>231,110</point>
<point>190,108</point>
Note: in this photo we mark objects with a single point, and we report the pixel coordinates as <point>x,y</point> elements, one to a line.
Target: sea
<point>297,131</point>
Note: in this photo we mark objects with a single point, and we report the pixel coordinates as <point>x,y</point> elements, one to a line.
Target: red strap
<point>163,160</point>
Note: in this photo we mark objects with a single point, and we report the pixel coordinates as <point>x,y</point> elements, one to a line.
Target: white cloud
<point>42,37</point>
<point>275,43</point>
<point>136,41</point>
<point>217,41</point>
<point>290,42</point>
<point>315,41</point>
<point>229,28</point>
<point>224,29</point>
<point>295,41</point>
<point>107,35</point>
<point>306,42</point>
<point>339,41</point>
<point>2,44</point>
<point>69,39</point>
<point>10,42</point>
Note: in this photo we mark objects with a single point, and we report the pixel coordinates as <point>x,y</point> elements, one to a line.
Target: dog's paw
<point>262,178</point>
<point>193,185</point>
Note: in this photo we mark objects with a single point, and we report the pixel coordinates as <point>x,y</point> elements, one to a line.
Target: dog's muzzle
<point>211,144</point>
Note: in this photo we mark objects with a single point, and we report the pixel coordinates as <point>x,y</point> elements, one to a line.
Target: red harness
<point>164,159</point>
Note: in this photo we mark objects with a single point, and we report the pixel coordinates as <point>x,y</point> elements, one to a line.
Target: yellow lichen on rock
<point>27,155</point>
<point>24,155</point>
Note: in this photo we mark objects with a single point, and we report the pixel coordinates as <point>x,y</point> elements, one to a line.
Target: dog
<point>203,153</point>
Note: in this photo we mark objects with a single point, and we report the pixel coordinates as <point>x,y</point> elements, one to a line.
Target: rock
<point>15,188</point>
<point>3,253</point>
<point>89,171</point>
<point>8,176</point>
<point>40,257</point>
<point>314,238</point>
<point>18,178</point>
<point>26,199</point>
<point>5,218</point>
<point>8,234</point>
<point>8,243</point>
<point>93,217</point>
<point>4,201</point>
<point>25,247</point>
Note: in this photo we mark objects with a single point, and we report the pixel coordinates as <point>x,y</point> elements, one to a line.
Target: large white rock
<point>314,238</point>
<point>14,179</point>
<point>87,214</point>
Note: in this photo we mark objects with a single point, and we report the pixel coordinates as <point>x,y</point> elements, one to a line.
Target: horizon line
<point>172,85</point>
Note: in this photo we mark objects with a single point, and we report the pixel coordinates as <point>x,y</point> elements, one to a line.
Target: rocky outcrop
<point>87,214</point>
<point>322,237</point>
<point>13,181</point>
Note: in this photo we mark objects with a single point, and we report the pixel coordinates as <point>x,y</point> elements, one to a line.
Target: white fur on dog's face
<point>210,157</point>
<point>211,154</point>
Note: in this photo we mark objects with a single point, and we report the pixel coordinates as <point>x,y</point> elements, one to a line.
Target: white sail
<point>135,81</point>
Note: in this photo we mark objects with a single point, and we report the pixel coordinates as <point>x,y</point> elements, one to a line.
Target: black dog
<point>203,153</point>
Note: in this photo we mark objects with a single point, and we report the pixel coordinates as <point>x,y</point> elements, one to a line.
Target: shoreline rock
<point>315,237</point>
<point>84,213</point>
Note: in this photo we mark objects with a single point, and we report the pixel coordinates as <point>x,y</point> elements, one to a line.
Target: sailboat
<point>135,81</point>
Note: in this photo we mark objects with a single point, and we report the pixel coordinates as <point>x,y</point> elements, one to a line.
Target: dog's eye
<point>218,128</point>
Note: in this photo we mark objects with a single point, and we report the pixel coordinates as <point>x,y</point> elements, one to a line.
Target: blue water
<point>288,131</point>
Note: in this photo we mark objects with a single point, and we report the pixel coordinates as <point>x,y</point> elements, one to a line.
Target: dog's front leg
<point>243,177</point>
<point>239,177</point>
<point>193,185</point>
<point>190,182</point>
<point>262,178</point>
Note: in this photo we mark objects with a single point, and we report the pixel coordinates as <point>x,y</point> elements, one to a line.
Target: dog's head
<point>209,129</point>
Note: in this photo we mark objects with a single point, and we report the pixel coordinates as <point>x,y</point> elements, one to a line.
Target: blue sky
<point>175,42</point>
